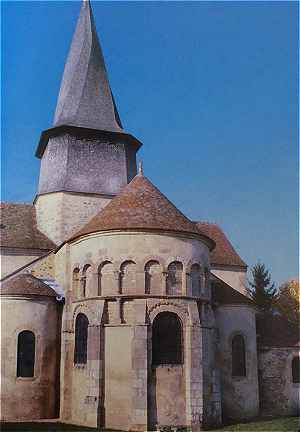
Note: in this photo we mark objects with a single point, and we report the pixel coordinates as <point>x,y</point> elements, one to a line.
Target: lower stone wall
<point>240,400</point>
<point>167,396</point>
<point>118,377</point>
<point>37,397</point>
<point>278,394</point>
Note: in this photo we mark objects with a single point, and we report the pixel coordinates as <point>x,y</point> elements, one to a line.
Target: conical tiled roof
<point>141,206</point>
<point>85,98</point>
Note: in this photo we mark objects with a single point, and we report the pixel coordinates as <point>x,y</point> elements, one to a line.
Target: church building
<point>118,311</point>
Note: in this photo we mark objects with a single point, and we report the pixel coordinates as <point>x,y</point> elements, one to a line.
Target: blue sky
<point>211,90</point>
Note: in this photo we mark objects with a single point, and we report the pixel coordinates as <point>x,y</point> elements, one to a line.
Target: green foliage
<point>261,290</point>
<point>288,303</point>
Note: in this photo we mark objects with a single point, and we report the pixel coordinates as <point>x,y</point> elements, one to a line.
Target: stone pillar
<point>139,417</point>
<point>140,282</point>
<point>94,398</point>
<point>194,381</point>
<point>164,283</point>
<point>202,283</point>
<point>66,365</point>
<point>188,284</point>
<point>184,283</point>
<point>117,278</point>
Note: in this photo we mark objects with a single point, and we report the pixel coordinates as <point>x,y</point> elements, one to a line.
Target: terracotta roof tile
<point>276,331</point>
<point>26,284</point>
<point>141,206</point>
<point>224,253</point>
<point>19,229</point>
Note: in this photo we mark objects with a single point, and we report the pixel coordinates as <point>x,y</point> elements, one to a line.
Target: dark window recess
<point>238,356</point>
<point>167,339</point>
<point>26,354</point>
<point>81,338</point>
<point>296,370</point>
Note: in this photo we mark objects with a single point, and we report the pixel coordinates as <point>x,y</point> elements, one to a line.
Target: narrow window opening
<point>238,356</point>
<point>81,338</point>
<point>26,354</point>
<point>296,370</point>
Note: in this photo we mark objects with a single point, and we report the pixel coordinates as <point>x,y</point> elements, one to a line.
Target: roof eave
<point>209,242</point>
<point>82,131</point>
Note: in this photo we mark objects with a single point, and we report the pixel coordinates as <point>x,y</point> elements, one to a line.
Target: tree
<point>288,302</point>
<point>261,290</point>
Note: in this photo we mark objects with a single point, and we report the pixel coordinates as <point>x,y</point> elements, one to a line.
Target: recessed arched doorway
<point>167,375</point>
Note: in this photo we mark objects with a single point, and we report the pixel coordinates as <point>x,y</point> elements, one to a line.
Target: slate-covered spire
<point>85,98</point>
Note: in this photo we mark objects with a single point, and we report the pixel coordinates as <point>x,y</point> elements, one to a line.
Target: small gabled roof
<point>224,253</point>
<point>141,206</point>
<point>26,284</point>
<point>224,294</point>
<point>19,228</point>
<point>85,98</point>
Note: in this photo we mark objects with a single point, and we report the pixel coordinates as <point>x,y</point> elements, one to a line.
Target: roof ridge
<point>16,203</point>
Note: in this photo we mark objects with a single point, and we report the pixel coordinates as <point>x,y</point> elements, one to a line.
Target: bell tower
<point>86,157</point>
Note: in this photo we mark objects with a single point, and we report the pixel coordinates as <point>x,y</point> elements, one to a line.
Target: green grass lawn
<point>285,424</point>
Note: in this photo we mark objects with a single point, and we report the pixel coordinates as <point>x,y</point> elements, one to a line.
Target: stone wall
<point>62,214</point>
<point>98,165</point>
<point>138,249</point>
<point>37,397</point>
<point>130,393</point>
<point>240,398</point>
<point>278,393</point>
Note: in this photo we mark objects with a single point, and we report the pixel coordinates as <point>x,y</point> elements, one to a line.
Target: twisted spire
<point>85,98</point>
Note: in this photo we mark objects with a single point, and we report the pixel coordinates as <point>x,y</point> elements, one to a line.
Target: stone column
<point>140,283</point>
<point>164,282</point>
<point>117,278</point>
<point>66,366</point>
<point>184,283</point>
<point>194,381</point>
<point>94,399</point>
<point>139,417</point>
<point>202,283</point>
<point>188,284</point>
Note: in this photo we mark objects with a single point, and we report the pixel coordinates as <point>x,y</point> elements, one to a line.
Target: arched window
<point>238,356</point>
<point>127,277</point>
<point>167,339</point>
<point>26,354</point>
<point>296,370</point>
<point>196,280</point>
<point>153,277</point>
<point>76,283</point>
<point>81,338</point>
<point>174,278</point>
<point>86,281</point>
<point>106,279</point>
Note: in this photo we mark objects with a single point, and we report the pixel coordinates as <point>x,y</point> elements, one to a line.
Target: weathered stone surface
<point>37,397</point>
<point>278,393</point>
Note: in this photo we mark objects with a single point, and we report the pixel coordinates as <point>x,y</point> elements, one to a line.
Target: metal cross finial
<point>141,168</point>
